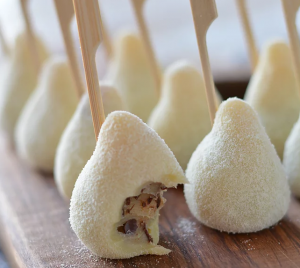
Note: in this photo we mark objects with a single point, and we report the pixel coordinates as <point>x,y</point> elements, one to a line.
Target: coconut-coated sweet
<point>132,76</point>
<point>46,115</point>
<point>291,159</point>
<point>129,156</point>
<point>181,116</point>
<point>273,93</point>
<point>237,182</point>
<point>78,142</point>
<point>18,82</point>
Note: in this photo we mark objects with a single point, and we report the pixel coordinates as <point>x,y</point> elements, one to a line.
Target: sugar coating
<point>291,159</point>
<point>131,74</point>
<point>78,142</point>
<point>273,93</point>
<point>181,117</point>
<point>18,82</point>
<point>128,156</point>
<point>237,182</point>
<point>46,115</point>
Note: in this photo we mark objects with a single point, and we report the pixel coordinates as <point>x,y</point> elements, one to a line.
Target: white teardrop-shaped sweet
<point>131,74</point>
<point>129,159</point>
<point>46,115</point>
<point>237,182</point>
<point>181,116</point>
<point>18,82</point>
<point>273,93</point>
<point>78,142</point>
<point>291,159</point>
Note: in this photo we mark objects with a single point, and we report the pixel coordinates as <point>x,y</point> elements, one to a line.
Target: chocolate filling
<point>140,209</point>
<point>130,226</point>
<point>150,239</point>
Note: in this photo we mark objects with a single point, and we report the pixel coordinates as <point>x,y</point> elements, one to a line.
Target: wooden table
<point>35,230</point>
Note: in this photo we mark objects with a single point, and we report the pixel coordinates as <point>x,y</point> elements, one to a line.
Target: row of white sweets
<point>236,180</point>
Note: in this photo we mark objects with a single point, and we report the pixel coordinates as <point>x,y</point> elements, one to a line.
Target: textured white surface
<point>78,142</point>
<point>273,93</point>
<point>237,182</point>
<point>291,159</point>
<point>17,82</point>
<point>171,29</point>
<point>128,156</point>
<point>131,74</point>
<point>181,117</point>
<point>46,114</point>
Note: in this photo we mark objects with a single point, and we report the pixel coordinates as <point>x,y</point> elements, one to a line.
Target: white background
<point>171,28</point>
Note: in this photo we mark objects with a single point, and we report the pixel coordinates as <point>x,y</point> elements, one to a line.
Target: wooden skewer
<point>4,45</point>
<point>31,39</point>
<point>138,10</point>
<point>290,8</point>
<point>90,34</point>
<point>65,13</point>
<point>252,50</point>
<point>204,13</point>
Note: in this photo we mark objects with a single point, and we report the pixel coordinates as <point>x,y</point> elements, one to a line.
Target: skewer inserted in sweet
<point>273,93</point>
<point>18,82</point>
<point>116,200</point>
<point>131,74</point>
<point>237,182</point>
<point>181,116</point>
<point>46,114</point>
<point>77,143</point>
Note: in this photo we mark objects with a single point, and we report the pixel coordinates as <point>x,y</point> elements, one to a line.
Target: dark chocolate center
<point>140,209</point>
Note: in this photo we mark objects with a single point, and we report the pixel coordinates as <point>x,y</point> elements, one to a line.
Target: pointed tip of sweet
<point>182,71</point>
<point>58,60</point>
<point>237,116</point>
<point>123,118</point>
<point>56,68</point>
<point>277,52</point>
<point>235,108</point>
<point>182,76</point>
<point>235,102</point>
<point>183,67</point>
<point>111,100</point>
<point>21,46</point>
<point>128,43</point>
<point>118,124</point>
<point>121,128</point>
<point>21,40</point>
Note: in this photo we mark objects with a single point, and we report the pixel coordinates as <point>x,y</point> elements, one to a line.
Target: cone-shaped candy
<point>237,182</point>
<point>132,76</point>
<point>46,115</point>
<point>181,117</point>
<point>291,159</point>
<point>18,82</point>
<point>116,200</point>
<point>273,93</point>
<point>77,143</point>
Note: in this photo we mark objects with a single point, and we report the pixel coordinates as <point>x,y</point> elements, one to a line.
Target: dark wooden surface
<point>35,230</point>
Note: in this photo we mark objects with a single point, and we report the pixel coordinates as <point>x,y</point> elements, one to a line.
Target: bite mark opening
<point>137,211</point>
